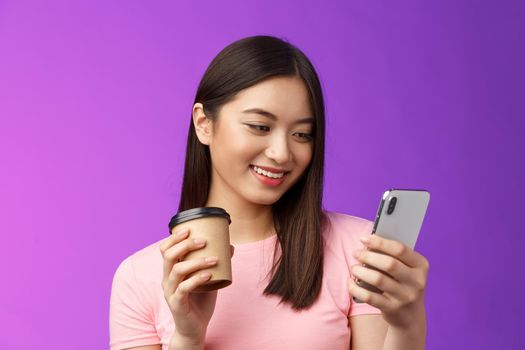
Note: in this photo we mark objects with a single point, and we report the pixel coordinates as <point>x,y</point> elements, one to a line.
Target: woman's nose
<point>279,150</point>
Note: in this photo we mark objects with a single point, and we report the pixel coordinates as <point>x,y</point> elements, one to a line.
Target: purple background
<point>95,100</point>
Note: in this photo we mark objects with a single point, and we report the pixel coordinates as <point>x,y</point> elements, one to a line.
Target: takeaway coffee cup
<point>211,224</point>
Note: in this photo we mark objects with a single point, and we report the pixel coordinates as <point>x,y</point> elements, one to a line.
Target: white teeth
<point>268,173</point>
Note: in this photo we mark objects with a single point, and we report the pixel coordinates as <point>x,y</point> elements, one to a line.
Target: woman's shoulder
<point>344,230</point>
<point>144,264</point>
<point>340,223</point>
<point>136,295</point>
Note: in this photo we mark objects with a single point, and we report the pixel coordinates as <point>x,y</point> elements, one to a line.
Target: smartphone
<point>399,217</point>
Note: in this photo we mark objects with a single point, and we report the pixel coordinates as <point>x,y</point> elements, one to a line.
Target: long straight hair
<point>297,272</point>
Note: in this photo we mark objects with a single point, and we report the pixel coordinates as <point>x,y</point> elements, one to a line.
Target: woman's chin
<point>264,199</point>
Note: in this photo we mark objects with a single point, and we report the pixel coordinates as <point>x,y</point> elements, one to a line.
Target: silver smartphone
<point>399,217</point>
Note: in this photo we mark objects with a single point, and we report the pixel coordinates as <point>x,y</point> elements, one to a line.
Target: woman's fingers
<point>401,274</point>
<point>165,248</point>
<point>179,297</point>
<point>177,252</point>
<point>378,279</point>
<point>184,268</point>
<point>174,238</point>
<point>396,249</point>
<point>385,263</point>
<point>375,299</point>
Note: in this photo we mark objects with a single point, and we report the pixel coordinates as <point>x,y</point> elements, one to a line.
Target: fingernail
<point>198,241</point>
<point>211,259</point>
<point>356,253</point>
<point>181,232</point>
<point>205,275</point>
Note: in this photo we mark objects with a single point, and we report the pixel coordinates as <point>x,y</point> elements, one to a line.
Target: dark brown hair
<point>298,216</point>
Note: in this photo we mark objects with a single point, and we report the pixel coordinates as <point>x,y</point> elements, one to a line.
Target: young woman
<point>256,148</point>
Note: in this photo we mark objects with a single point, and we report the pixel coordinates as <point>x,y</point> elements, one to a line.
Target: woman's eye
<point>304,136</point>
<point>259,127</point>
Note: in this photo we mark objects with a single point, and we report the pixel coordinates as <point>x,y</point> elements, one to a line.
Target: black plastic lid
<point>197,213</point>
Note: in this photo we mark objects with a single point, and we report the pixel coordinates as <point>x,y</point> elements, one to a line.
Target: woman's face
<point>261,142</point>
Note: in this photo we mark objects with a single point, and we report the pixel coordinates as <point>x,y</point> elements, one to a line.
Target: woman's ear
<point>202,124</point>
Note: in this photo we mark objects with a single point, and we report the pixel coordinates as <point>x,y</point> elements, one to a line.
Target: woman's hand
<point>402,277</point>
<point>191,311</point>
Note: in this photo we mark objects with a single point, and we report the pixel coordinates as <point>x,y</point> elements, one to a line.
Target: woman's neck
<point>249,222</point>
<point>250,226</point>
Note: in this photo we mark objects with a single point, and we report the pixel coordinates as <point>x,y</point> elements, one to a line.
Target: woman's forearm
<point>412,338</point>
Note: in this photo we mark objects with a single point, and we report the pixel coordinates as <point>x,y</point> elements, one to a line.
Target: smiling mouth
<point>268,174</point>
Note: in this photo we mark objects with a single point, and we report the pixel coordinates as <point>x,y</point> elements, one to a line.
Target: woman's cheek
<point>303,154</point>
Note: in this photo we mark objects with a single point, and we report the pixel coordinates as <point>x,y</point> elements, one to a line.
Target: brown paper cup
<point>215,230</point>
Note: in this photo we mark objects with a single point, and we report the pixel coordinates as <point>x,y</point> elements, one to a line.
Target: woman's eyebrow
<point>307,120</point>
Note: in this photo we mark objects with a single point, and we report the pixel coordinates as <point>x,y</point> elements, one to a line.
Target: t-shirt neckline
<point>241,247</point>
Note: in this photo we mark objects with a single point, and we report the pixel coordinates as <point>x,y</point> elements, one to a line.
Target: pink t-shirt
<point>244,318</point>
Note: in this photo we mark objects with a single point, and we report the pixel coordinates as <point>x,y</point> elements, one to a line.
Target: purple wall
<point>95,99</point>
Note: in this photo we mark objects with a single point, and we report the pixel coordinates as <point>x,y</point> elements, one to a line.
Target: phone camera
<point>391,205</point>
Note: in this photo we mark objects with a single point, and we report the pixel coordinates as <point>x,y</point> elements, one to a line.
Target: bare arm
<point>371,332</point>
<point>412,337</point>
<point>367,332</point>
<point>146,347</point>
